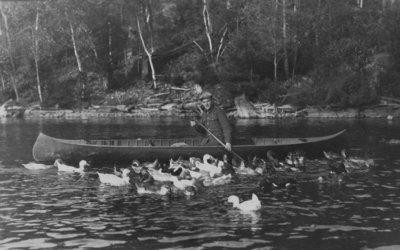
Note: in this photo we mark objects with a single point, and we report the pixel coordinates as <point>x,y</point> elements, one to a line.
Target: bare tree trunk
<point>284,34</point>
<point>3,84</point>
<point>296,47</point>
<point>35,50</point>
<point>125,51</point>
<point>78,59</point>
<point>149,54</point>
<point>207,25</point>
<point>221,45</point>
<point>9,49</point>
<point>274,35</point>
<point>317,25</point>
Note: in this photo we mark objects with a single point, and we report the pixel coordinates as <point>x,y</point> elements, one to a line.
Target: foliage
<point>331,47</point>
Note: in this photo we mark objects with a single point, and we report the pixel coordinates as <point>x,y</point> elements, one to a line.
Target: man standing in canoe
<point>215,121</point>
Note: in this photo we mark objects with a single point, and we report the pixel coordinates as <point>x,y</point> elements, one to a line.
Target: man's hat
<point>205,95</point>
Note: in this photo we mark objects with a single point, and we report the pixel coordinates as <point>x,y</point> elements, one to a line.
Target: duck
<point>192,162</point>
<point>62,167</point>
<point>243,170</point>
<point>163,190</point>
<point>136,166</point>
<point>114,180</point>
<point>36,166</point>
<point>219,181</point>
<point>250,205</point>
<point>334,156</point>
<point>183,183</point>
<point>337,167</point>
<point>207,158</point>
<point>158,175</point>
<point>356,162</point>
<point>294,163</point>
<point>273,161</point>
<point>210,168</point>
<point>175,168</point>
<point>155,164</point>
<point>116,171</point>
<point>195,174</point>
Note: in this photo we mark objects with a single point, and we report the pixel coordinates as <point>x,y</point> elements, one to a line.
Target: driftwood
<point>245,109</point>
<point>391,99</point>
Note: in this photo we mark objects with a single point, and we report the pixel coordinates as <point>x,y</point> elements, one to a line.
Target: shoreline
<point>374,112</point>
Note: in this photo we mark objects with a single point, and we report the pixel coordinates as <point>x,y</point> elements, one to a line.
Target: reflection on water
<point>45,209</point>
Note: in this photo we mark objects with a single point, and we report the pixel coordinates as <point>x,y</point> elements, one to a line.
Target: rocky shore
<point>382,111</point>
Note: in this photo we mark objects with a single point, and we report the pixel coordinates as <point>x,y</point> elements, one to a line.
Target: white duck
<point>222,180</point>
<point>210,168</point>
<point>207,158</point>
<point>158,175</point>
<point>163,190</point>
<point>195,174</point>
<point>250,205</point>
<point>114,180</point>
<point>62,167</point>
<point>183,184</point>
<point>36,166</point>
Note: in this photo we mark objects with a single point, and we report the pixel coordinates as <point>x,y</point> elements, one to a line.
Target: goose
<point>163,190</point>
<point>250,205</point>
<point>222,180</point>
<point>62,167</point>
<point>114,180</point>
<point>36,166</point>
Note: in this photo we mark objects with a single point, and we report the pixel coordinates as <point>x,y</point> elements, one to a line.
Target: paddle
<point>219,141</point>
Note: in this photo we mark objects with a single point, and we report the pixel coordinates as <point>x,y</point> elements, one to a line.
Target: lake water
<point>47,210</point>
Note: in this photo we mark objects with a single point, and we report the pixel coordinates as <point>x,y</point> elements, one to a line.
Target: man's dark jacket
<point>217,122</point>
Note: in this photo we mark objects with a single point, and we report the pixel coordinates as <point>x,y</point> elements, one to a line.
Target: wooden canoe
<point>47,149</point>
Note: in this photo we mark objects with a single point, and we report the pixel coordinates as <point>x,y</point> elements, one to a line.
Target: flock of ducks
<point>188,176</point>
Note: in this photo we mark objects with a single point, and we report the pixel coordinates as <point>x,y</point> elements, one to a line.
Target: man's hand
<point>228,146</point>
<point>192,123</point>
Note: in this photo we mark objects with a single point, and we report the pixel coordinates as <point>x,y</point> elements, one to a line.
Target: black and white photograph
<point>200,124</point>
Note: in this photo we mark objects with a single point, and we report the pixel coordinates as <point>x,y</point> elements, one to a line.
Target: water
<point>47,210</point>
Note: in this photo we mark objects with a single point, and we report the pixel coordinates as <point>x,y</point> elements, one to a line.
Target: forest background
<point>342,53</point>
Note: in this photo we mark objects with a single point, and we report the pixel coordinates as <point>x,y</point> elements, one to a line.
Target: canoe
<point>48,149</point>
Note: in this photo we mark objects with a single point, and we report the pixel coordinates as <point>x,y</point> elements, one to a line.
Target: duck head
<point>58,162</point>
<point>207,158</point>
<point>83,164</point>
<point>125,172</point>
<point>164,190</point>
<point>234,200</point>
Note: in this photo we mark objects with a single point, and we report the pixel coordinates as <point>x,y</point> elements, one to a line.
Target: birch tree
<point>148,47</point>
<point>36,52</point>
<point>9,50</point>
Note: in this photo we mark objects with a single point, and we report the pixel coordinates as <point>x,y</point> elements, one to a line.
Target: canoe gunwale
<point>299,141</point>
<point>47,148</point>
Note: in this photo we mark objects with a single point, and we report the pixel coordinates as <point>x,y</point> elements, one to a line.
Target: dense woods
<point>72,53</point>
